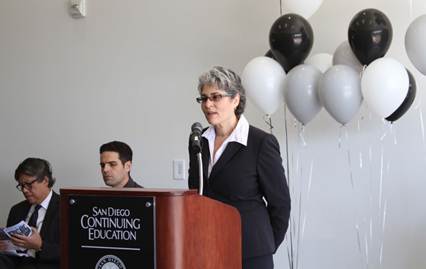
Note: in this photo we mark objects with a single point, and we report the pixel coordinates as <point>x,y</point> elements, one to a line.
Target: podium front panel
<point>111,232</point>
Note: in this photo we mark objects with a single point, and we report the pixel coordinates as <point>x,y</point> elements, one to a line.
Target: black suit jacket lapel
<point>206,157</point>
<point>231,149</point>
<point>25,211</point>
<point>52,208</point>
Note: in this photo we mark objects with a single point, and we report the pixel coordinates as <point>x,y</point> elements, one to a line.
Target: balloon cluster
<point>357,70</point>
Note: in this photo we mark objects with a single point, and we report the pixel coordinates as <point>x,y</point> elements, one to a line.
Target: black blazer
<point>132,184</point>
<point>48,257</point>
<point>243,177</point>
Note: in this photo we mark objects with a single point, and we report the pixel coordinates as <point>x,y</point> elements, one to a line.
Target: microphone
<point>195,137</point>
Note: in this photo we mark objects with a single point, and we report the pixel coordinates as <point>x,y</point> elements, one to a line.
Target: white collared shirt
<point>239,135</point>
<point>40,218</point>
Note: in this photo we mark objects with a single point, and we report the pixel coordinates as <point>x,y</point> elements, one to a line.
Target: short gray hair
<point>227,80</point>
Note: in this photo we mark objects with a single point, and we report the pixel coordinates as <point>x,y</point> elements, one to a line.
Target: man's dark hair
<point>124,151</point>
<point>35,167</point>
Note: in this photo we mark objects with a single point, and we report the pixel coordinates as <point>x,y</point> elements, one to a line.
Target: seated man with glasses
<point>40,210</point>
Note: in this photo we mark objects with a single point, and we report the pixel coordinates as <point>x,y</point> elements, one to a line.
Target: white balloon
<point>344,55</point>
<point>415,40</point>
<point>322,61</point>
<point>301,92</point>
<point>384,85</point>
<point>263,78</point>
<point>340,92</point>
<point>304,8</point>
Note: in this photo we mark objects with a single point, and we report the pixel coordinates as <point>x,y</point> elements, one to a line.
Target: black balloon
<point>291,38</point>
<point>408,101</point>
<point>369,35</point>
<point>269,54</point>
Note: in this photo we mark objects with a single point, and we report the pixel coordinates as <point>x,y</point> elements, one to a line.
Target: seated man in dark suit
<point>40,210</point>
<point>116,163</point>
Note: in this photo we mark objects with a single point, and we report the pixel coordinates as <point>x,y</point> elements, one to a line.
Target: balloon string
<point>290,246</point>
<point>286,144</point>
<point>366,252</point>
<point>268,121</point>
<point>371,230</point>
<point>310,180</point>
<point>281,7</point>
<point>381,178</point>
<point>359,131</point>
<point>289,257</point>
<point>384,131</point>
<point>301,135</point>
<point>370,202</point>
<point>348,152</point>
<point>383,232</point>
<point>351,176</point>
<point>385,205</point>
<point>393,132</point>
<point>422,125</point>
<point>298,229</point>
<point>358,237</point>
<point>302,215</point>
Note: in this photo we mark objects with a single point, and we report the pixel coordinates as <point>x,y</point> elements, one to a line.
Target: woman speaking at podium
<point>243,167</point>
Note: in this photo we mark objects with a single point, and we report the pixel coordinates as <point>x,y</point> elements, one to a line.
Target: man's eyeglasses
<point>28,186</point>
<point>215,98</point>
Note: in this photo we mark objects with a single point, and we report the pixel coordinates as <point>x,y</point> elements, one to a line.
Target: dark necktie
<point>34,216</point>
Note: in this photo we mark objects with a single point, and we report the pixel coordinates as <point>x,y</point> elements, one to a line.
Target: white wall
<point>129,70</point>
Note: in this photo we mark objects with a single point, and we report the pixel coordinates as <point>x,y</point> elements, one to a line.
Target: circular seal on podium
<point>110,262</point>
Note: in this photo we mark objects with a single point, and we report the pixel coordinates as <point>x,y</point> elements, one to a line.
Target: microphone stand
<point>200,173</point>
<point>195,138</point>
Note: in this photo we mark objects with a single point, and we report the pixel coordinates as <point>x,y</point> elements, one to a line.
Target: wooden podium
<point>190,231</point>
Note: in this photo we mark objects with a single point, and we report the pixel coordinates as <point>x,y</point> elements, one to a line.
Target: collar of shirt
<point>239,135</point>
<point>46,201</point>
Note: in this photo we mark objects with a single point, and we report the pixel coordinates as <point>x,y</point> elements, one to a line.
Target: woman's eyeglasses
<point>215,98</point>
<point>28,186</point>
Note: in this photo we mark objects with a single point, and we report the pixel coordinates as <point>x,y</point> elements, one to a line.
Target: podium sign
<point>111,232</point>
<point>136,228</point>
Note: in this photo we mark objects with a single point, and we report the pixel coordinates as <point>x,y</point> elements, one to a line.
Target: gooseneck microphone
<point>195,141</point>
<point>196,130</point>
